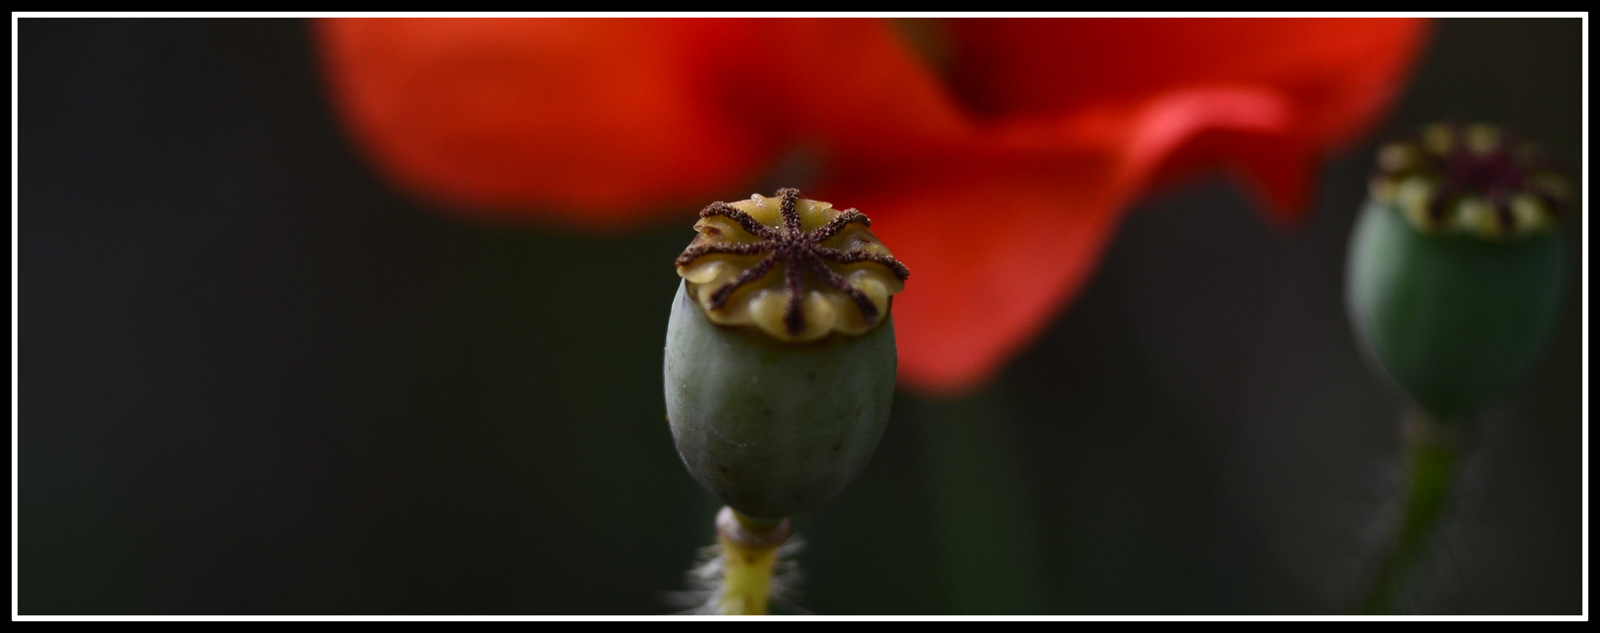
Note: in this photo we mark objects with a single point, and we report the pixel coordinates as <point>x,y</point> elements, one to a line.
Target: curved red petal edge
<point>588,123</point>
<point>1337,72</point>
<point>1252,132</point>
<point>1262,97</point>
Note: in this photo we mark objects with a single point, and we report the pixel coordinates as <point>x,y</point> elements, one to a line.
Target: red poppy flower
<point>994,155</point>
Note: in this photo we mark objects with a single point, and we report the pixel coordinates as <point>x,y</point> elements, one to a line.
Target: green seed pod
<point>1455,272</point>
<point>780,358</point>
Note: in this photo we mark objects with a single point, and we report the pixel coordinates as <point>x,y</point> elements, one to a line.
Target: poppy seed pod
<point>780,357</point>
<point>1455,270</point>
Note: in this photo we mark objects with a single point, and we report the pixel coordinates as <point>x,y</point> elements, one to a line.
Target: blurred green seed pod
<point>780,357</point>
<point>1455,268</point>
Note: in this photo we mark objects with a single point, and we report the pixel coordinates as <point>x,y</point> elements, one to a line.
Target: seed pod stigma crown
<point>1470,179</point>
<point>751,260</point>
<point>1454,277</point>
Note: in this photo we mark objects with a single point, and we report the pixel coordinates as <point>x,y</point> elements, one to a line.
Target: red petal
<point>1336,71</point>
<point>1262,95</point>
<point>589,123</point>
<point>995,247</point>
<point>856,87</point>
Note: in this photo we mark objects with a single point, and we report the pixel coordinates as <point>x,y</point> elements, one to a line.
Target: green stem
<point>1434,446</point>
<point>749,551</point>
<point>984,526</point>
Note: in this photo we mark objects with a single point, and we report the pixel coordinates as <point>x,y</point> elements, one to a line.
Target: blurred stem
<point>984,527</point>
<point>749,551</point>
<point>1433,448</point>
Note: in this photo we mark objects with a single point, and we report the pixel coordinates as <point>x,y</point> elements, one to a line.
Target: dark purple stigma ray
<point>794,318</point>
<point>837,224</point>
<point>855,257</point>
<point>750,224</point>
<point>701,250</point>
<point>869,310</point>
<point>720,297</point>
<point>791,216</point>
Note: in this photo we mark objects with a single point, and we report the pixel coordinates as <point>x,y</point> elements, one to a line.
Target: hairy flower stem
<point>1433,448</point>
<point>749,551</point>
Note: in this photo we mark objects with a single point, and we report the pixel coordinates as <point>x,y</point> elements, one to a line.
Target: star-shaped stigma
<point>798,250</point>
<point>1470,178</point>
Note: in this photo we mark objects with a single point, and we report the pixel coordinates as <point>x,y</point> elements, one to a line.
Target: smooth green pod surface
<point>774,428</point>
<point>1454,319</point>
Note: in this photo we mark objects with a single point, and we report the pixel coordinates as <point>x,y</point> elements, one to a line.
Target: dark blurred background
<point>255,379</point>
